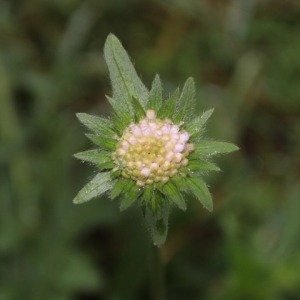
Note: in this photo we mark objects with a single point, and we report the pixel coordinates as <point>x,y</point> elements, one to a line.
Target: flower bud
<point>151,114</point>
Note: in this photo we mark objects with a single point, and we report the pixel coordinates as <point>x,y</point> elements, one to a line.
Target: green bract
<point>152,152</point>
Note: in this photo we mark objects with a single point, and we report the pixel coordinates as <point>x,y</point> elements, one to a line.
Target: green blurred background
<point>245,58</point>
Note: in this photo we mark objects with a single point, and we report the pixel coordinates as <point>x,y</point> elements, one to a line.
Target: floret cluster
<point>152,150</point>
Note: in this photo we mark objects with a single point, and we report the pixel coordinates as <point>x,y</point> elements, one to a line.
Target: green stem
<point>157,273</point>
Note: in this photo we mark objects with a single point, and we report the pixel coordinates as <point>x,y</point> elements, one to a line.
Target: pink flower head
<point>152,150</point>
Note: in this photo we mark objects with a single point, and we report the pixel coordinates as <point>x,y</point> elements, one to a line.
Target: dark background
<point>245,58</point>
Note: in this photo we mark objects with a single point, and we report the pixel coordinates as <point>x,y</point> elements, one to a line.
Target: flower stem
<point>157,274</point>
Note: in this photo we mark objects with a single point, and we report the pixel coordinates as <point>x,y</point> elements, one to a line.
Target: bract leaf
<point>96,156</point>
<point>103,141</point>
<point>130,197</point>
<point>119,187</point>
<point>196,127</point>
<point>202,165</point>
<point>155,95</point>
<point>138,109</point>
<point>96,187</point>
<point>107,165</point>
<point>186,102</point>
<point>119,125</point>
<point>156,214</point>
<point>198,187</point>
<point>125,115</point>
<point>125,81</point>
<point>167,109</point>
<point>178,181</point>
<point>209,148</point>
<point>98,125</point>
<point>115,173</point>
<point>148,193</point>
<point>173,193</point>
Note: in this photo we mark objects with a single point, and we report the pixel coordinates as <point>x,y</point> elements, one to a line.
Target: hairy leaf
<point>202,165</point>
<point>119,125</point>
<point>173,193</point>
<point>156,214</point>
<point>96,187</point>
<point>125,81</point>
<point>96,156</point>
<point>98,125</point>
<point>209,148</point>
<point>148,193</point>
<point>102,141</point>
<point>106,165</point>
<point>120,186</point>
<point>130,197</point>
<point>198,187</point>
<point>139,110</point>
<point>167,109</point>
<point>125,115</point>
<point>186,101</point>
<point>178,181</point>
<point>155,95</point>
<point>115,173</point>
<point>196,126</point>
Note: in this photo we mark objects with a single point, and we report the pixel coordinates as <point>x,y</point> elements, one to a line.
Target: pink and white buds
<point>152,150</point>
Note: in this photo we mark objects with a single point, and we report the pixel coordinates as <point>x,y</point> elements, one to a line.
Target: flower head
<point>152,152</point>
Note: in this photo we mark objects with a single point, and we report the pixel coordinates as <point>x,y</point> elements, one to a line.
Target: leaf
<point>130,197</point>
<point>201,165</point>
<point>107,165</point>
<point>198,187</point>
<point>195,127</point>
<point>103,142</point>
<point>122,186</point>
<point>178,181</point>
<point>209,148</point>
<point>98,125</point>
<point>155,95</point>
<point>148,193</point>
<point>96,187</point>
<point>125,115</point>
<point>119,187</point>
<point>115,173</point>
<point>138,109</point>
<point>167,109</point>
<point>173,193</point>
<point>94,156</point>
<point>125,81</point>
<point>119,124</point>
<point>186,101</point>
<point>156,214</point>
<point>129,185</point>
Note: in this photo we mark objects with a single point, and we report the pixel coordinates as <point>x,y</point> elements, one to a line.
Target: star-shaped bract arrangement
<point>152,152</point>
